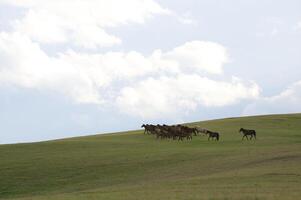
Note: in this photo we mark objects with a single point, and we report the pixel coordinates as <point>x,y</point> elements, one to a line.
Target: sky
<point>71,68</point>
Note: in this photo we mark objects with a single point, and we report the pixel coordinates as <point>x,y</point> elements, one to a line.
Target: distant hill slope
<point>131,165</point>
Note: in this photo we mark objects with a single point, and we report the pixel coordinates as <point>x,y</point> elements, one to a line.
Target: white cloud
<point>163,96</point>
<point>287,101</point>
<point>200,56</point>
<point>24,64</point>
<point>95,78</point>
<point>162,83</point>
<point>82,23</point>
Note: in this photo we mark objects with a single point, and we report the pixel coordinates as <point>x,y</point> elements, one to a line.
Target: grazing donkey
<point>212,135</point>
<point>247,132</point>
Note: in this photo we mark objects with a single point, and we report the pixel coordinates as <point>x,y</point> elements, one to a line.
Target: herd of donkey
<point>180,132</point>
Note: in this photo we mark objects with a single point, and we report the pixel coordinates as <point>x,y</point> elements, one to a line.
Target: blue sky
<point>70,68</point>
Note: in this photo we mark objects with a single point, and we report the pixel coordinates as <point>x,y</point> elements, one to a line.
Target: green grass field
<point>135,166</point>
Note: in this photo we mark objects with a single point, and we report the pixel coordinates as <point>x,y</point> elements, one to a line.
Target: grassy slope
<point>135,166</point>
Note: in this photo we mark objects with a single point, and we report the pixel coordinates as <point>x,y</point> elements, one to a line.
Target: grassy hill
<point>131,165</point>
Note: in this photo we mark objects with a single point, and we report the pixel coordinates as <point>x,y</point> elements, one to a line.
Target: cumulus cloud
<point>24,64</point>
<point>82,23</point>
<point>158,97</point>
<point>178,84</point>
<point>201,56</point>
<point>161,83</point>
<point>287,101</point>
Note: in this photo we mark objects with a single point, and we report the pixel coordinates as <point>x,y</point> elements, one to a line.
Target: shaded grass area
<point>131,165</point>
